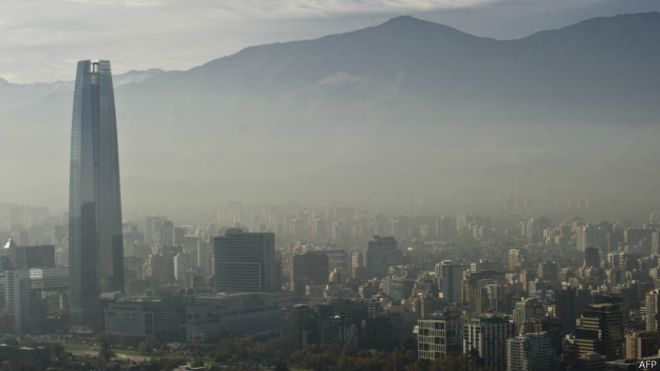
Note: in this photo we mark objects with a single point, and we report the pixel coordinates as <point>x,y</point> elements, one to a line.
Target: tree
<point>105,352</point>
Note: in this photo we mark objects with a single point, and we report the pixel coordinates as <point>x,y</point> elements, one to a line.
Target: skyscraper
<point>245,262</point>
<point>95,224</point>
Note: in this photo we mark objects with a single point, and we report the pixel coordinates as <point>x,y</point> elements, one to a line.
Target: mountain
<point>17,95</point>
<point>362,114</point>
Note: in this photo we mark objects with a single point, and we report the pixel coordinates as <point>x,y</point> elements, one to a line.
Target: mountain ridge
<point>410,106</point>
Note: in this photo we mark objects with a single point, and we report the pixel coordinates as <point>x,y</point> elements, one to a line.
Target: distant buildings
<point>381,253</point>
<point>245,262</point>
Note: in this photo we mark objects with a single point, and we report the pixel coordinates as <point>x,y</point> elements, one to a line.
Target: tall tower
<point>95,228</point>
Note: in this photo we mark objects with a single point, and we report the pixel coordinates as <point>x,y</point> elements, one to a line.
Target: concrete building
<point>640,344</point>
<point>449,280</point>
<point>600,330</point>
<point>33,296</point>
<point>381,253</point>
<point>652,310</point>
<point>439,336</point>
<point>245,262</point>
<point>487,335</point>
<point>531,352</point>
<point>528,311</point>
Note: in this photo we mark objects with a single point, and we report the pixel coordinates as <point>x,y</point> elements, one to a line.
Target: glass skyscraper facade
<point>95,222</point>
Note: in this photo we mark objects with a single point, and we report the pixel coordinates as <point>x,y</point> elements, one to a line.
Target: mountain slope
<point>407,99</point>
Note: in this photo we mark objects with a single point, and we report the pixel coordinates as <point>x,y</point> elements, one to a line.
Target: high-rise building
<point>487,335</point>
<point>34,296</point>
<point>652,306</point>
<point>96,252</point>
<point>14,257</point>
<point>245,262</point>
<point>591,257</point>
<point>310,268</point>
<point>566,307</point>
<point>640,344</point>
<point>449,280</point>
<point>515,260</point>
<point>439,336</point>
<point>600,330</point>
<point>531,352</point>
<point>382,253</point>
<point>655,243</point>
<point>526,312</point>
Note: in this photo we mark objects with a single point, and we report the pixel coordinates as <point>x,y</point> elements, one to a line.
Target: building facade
<point>245,262</point>
<point>95,221</point>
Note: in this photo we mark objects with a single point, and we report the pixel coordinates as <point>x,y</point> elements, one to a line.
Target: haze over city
<point>334,185</point>
<point>510,129</point>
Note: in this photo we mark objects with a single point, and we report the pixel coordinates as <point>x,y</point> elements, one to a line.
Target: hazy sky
<point>40,40</point>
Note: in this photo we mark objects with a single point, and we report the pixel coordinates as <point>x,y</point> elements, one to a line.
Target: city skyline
<point>388,193</point>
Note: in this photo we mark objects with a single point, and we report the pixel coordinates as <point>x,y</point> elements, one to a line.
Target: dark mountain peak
<point>404,19</point>
<point>617,28</point>
<point>406,23</point>
<point>621,20</point>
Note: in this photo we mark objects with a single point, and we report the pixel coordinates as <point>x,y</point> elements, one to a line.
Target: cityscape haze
<point>473,186</point>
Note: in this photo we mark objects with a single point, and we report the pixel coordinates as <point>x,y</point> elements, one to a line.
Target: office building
<point>652,310</point>
<point>640,344</point>
<point>528,312</point>
<point>310,268</point>
<point>382,253</point>
<point>600,330</point>
<point>439,336</point>
<point>34,297</point>
<point>531,352</point>
<point>591,257</point>
<point>245,262</point>
<point>449,281</point>
<point>14,257</point>
<point>487,335</point>
<point>96,254</point>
